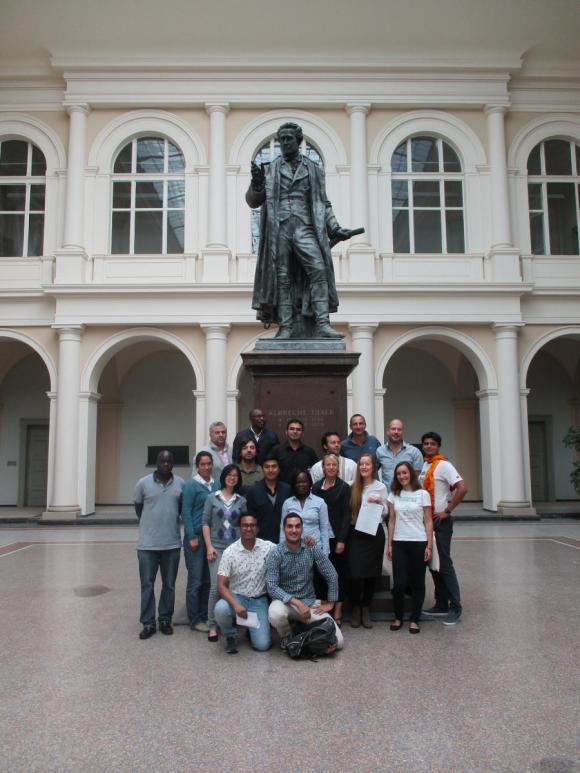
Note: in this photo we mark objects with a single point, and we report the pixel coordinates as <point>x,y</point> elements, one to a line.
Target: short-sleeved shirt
<point>246,569</point>
<point>353,451</point>
<point>409,525</point>
<point>159,522</point>
<point>446,476</point>
<point>387,460</point>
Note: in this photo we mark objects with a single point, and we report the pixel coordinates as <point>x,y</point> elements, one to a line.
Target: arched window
<point>427,197</point>
<point>553,197</point>
<point>22,194</point>
<point>267,153</point>
<point>148,198</point>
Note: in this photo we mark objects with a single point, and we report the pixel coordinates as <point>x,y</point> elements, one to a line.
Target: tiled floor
<point>499,692</point>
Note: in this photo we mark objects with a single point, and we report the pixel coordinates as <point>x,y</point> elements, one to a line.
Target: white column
<point>216,337</point>
<point>361,256</point>
<point>216,253</point>
<point>71,260</point>
<point>87,474</point>
<point>200,423</point>
<point>505,259</point>
<point>363,376</point>
<point>64,502</point>
<point>489,431</point>
<point>513,489</point>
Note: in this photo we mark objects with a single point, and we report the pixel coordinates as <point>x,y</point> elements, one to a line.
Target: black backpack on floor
<point>311,640</point>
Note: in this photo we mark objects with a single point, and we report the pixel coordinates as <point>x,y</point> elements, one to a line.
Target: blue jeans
<point>197,591</point>
<point>149,562</point>
<point>447,595</point>
<point>225,616</point>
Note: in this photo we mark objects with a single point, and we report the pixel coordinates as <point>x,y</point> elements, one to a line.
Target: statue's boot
<point>285,317</point>
<point>319,296</point>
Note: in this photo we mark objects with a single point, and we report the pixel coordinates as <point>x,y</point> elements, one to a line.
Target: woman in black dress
<point>336,494</point>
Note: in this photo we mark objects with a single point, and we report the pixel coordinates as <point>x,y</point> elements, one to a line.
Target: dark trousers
<point>446,584</point>
<point>149,562</point>
<point>409,570</point>
<point>198,582</point>
<point>339,563</point>
<point>361,592</point>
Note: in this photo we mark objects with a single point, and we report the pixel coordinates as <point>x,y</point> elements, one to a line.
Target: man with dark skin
<point>264,438</point>
<point>157,502</point>
<point>294,278</point>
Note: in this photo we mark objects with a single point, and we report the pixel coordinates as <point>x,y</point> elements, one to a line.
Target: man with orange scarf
<point>440,478</point>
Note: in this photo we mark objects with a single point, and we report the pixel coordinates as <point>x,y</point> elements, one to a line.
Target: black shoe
<point>147,632</point>
<point>231,648</point>
<point>166,627</point>
<point>435,612</point>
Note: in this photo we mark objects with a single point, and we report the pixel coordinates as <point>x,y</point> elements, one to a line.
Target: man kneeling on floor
<point>241,584</point>
<point>290,581</point>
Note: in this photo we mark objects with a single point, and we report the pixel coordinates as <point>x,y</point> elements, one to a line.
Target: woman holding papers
<point>366,545</point>
<point>336,494</point>
<point>410,542</point>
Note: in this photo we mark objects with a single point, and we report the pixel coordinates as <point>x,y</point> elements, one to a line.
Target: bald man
<point>394,451</point>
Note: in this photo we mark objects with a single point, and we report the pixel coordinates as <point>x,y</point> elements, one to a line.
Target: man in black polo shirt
<point>293,454</point>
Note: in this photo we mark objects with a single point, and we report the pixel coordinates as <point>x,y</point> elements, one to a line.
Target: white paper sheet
<point>251,621</point>
<point>369,518</point>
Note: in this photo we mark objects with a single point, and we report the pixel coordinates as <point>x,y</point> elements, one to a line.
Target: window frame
<point>27,180</point>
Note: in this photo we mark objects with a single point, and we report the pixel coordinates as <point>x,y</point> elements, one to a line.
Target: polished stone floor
<point>499,692</point>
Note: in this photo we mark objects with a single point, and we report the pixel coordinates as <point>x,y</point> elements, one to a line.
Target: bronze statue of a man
<point>294,281</point>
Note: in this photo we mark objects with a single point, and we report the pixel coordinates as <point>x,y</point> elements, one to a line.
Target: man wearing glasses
<point>242,587</point>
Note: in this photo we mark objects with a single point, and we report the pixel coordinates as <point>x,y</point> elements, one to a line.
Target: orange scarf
<point>429,480</point>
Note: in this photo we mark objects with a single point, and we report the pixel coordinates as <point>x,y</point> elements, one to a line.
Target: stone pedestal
<point>304,380</point>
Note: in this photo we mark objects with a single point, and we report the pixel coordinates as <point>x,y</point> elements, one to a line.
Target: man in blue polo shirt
<point>157,502</point>
<point>359,441</point>
<point>395,451</point>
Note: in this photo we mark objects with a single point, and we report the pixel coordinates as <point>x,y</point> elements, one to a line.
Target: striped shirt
<point>290,574</point>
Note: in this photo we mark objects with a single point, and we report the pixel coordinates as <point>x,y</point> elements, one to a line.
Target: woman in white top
<point>410,542</point>
<point>365,551</point>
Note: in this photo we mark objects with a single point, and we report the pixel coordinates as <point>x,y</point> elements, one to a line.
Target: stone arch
<point>25,127</point>
<point>319,131</point>
<point>17,335</point>
<point>100,357</point>
<point>536,131</point>
<point>561,332</point>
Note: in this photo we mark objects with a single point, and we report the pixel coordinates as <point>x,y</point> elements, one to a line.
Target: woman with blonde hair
<point>365,551</point>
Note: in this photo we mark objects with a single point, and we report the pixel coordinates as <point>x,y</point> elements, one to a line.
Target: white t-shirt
<point>409,526</point>
<point>446,476</point>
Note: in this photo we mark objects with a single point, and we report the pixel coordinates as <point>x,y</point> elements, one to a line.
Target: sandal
<point>212,636</point>
<point>414,630</point>
<point>396,626</point>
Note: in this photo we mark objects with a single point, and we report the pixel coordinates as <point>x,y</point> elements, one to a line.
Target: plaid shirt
<point>290,574</point>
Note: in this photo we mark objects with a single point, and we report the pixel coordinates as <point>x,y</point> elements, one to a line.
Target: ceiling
<point>546,34</point>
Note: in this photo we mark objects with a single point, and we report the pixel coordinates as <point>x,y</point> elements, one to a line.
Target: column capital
<point>358,107</point>
<point>507,328</point>
<point>363,328</point>
<point>217,107</point>
<point>82,107</point>
<point>497,109</point>
<point>486,394</point>
<point>219,329</point>
<point>69,331</point>
<point>91,397</point>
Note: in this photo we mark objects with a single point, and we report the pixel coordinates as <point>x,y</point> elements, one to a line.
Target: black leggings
<point>361,592</point>
<point>409,569</point>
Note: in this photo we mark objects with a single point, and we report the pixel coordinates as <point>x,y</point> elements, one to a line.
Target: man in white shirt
<point>242,586</point>
<point>446,489</point>
<point>330,443</point>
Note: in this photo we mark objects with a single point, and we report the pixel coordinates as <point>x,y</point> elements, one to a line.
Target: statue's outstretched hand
<point>257,176</point>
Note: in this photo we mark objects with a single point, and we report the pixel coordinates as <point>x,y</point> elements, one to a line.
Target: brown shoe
<point>355,617</point>
<point>366,617</point>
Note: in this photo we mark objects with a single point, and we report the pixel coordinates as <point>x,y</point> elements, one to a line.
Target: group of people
<point>274,535</point>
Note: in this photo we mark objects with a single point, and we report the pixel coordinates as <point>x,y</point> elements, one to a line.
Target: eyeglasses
<point>248,526</point>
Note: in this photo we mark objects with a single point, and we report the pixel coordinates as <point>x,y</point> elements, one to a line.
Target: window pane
<point>426,193</point>
<point>534,166</point>
<point>400,193</point>
<point>263,155</point>
<point>149,195</point>
<point>578,159</point>
<point>120,235</point>
<point>35,234</point>
<point>122,195</point>
<point>12,198</point>
<point>427,231</point>
<point>424,153</point>
<point>537,233</point>
<point>401,241</point>
<point>148,233</point>
<point>535,196</point>
<point>451,161</point>
<point>313,154</point>
<point>38,162</point>
<point>399,159</point>
<point>176,194</point>
<point>175,221</point>
<point>37,198</point>
<point>11,235</point>
<point>123,162</point>
<point>562,218</point>
<point>150,154</point>
<point>455,235</point>
<point>453,193</point>
<point>13,154</point>
<point>255,226</point>
<point>558,158</point>
<point>175,158</point>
